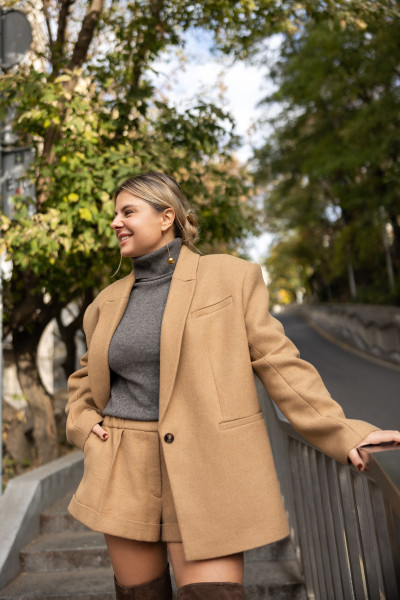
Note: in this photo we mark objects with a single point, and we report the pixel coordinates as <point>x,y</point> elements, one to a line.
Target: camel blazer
<point>216,331</point>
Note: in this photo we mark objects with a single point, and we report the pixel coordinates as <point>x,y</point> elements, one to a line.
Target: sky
<point>185,76</point>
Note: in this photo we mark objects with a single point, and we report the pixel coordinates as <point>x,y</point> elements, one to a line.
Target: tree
<point>334,153</point>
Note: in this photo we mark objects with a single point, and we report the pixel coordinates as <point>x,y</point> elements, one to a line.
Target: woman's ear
<point>168,217</point>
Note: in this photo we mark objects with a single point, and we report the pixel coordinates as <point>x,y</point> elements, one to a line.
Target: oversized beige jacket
<point>216,330</point>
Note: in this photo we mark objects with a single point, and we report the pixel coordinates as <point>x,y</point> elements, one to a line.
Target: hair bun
<point>191,218</point>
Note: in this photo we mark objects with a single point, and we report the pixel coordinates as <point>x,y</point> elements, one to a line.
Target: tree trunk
<point>352,281</point>
<point>45,433</point>
<point>68,337</point>
<point>394,219</point>
<point>68,332</point>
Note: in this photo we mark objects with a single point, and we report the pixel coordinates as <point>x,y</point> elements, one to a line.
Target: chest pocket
<point>212,308</point>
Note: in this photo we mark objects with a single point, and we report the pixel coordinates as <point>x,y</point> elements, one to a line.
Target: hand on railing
<point>373,438</point>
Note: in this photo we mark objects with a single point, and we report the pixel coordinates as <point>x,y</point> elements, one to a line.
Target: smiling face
<point>139,227</point>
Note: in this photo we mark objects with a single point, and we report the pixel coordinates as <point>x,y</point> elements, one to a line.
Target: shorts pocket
<point>89,437</point>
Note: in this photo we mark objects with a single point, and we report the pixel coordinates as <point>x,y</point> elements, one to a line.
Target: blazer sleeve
<point>82,412</point>
<point>294,384</point>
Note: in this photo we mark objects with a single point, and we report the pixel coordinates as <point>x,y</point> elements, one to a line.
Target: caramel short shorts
<point>125,490</point>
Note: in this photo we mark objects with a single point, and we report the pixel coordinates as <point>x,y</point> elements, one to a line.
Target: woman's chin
<point>126,253</point>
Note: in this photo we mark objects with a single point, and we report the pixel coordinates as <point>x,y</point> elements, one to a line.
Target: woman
<point>165,408</point>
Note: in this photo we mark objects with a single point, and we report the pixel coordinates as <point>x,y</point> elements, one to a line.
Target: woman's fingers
<point>356,460</point>
<point>98,430</point>
<point>375,437</point>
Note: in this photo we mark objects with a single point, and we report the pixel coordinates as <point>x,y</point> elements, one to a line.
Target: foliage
<point>104,134</point>
<point>67,243</point>
<point>110,126</point>
<point>332,164</point>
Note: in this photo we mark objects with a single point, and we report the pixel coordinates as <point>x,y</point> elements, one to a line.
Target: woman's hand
<point>102,433</point>
<point>375,437</point>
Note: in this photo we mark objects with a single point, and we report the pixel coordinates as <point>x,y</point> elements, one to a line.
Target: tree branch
<point>45,9</point>
<point>156,8</point>
<point>89,25</point>
<point>58,46</point>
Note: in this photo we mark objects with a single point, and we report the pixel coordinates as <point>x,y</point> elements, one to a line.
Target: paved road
<point>366,390</point>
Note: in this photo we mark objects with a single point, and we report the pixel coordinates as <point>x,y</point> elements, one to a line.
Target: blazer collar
<point>185,270</point>
<point>186,267</point>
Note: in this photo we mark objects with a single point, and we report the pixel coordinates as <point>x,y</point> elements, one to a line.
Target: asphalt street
<point>366,390</point>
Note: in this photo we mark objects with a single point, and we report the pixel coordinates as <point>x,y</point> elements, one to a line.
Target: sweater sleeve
<point>294,384</point>
<point>82,412</point>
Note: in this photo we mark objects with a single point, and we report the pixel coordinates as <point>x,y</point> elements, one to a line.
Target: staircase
<point>68,561</point>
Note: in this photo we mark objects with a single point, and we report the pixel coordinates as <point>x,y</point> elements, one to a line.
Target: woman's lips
<point>124,238</point>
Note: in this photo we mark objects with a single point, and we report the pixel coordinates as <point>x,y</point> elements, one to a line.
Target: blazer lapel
<point>111,313</point>
<point>180,296</point>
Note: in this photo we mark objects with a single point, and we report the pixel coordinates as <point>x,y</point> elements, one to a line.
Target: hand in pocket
<point>100,432</point>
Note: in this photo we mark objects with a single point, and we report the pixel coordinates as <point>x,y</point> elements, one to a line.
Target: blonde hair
<point>163,191</point>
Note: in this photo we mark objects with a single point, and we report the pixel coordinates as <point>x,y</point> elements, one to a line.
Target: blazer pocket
<point>243,421</point>
<point>201,312</point>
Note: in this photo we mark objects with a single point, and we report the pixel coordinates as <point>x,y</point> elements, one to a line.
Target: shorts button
<point>168,438</point>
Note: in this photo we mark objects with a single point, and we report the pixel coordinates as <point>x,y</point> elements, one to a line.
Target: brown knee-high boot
<point>157,589</point>
<point>211,591</point>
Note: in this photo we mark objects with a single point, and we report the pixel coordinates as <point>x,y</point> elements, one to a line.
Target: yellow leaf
<point>72,197</point>
<point>360,24</point>
<point>4,223</point>
<point>85,214</point>
<point>104,196</point>
<point>62,78</point>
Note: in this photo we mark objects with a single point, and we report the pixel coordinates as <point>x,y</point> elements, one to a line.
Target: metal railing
<point>345,525</point>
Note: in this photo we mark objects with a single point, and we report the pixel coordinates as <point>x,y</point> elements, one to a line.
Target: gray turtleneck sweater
<point>134,353</point>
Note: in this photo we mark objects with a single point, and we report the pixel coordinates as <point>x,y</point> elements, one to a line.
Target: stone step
<point>274,580</point>
<point>69,561</point>
<point>64,551</point>
<point>88,584</point>
<point>57,551</point>
<point>281,550</point>
<point>264,580</point>
<point>56,518</point>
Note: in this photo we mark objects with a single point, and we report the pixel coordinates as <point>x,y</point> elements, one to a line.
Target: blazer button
<point>168,438</point>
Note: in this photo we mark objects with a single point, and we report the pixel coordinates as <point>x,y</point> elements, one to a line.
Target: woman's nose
<point>116,223</point>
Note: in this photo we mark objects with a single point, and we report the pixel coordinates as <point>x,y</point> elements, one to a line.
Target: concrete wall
<point>372,329</point>
<point>24,499</point>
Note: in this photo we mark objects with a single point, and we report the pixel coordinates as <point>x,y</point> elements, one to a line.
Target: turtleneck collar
<point>155,264</point>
